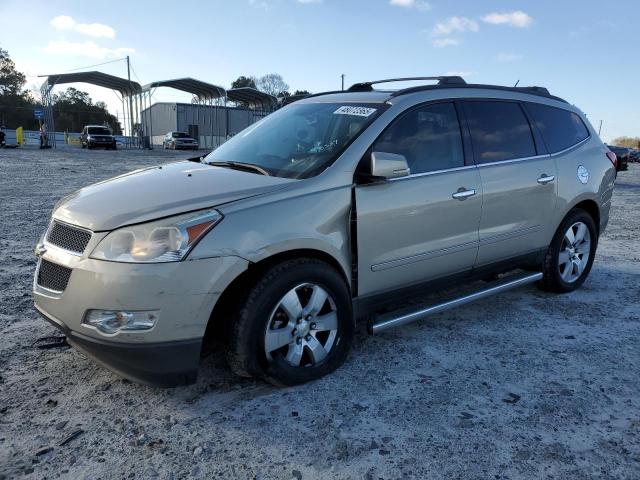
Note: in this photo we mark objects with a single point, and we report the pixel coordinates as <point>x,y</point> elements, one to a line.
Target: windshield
<point>299,141</point>
<point>98,131</point>
<point>179,135</point>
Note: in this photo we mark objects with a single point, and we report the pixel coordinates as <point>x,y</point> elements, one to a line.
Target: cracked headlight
<point>166,240</point>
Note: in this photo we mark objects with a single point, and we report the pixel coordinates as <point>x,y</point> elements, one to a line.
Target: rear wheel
<point>295,325</point>
<point>570,256</point>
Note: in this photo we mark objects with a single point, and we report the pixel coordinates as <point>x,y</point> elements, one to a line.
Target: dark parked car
<point>93,136</point>
<point>623,157</point>
<point>178,140</point>
<point>634,155</point>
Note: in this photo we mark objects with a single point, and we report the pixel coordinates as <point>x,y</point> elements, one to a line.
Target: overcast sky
<point>584,51</point>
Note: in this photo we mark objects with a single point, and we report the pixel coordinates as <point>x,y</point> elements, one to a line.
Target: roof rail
<point>539,91</point>
<point>442,80</point>
<point>533,89</point>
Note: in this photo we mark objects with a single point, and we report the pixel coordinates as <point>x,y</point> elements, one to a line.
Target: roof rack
<point>539,91</point>
<point>442,80</point>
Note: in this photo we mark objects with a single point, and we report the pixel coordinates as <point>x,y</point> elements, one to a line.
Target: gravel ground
<point>523,385</point>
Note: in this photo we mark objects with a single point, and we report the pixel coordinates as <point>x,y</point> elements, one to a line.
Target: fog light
<point>112,321</point>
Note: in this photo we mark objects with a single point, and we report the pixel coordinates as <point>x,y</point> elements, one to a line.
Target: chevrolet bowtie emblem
<point>40,250</point>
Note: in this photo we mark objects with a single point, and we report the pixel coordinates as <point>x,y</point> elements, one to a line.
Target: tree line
<point>629,142</point>
<point>271,83</point>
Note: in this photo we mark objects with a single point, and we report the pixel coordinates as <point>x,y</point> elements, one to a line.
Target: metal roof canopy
<point>200,89</point>
<point>252,97</point>
<point>122,85</point>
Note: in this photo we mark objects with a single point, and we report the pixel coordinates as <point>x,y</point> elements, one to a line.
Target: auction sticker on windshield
<point>357,111</point>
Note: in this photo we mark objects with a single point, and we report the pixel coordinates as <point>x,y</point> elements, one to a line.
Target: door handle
<point>463,193</point>
<point>544,179</point>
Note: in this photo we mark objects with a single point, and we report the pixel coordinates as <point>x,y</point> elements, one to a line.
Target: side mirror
<point>389,165</point>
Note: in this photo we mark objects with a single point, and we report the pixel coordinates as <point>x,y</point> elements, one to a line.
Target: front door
<point>423,226</point>
<point>518,181</point>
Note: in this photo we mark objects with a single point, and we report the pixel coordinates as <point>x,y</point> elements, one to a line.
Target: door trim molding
<point>399,262</point>
<point>509,235</point>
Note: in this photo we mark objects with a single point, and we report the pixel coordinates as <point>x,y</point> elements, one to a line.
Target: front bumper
<point>102,143</point>
<point>186,146</point>
<point>167,364</point>
<point>184,293</point>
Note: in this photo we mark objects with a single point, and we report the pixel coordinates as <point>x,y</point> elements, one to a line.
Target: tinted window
<point>499,131</point>
<point>98,131</point>
<point>560,128</point>
<point>428,137</point>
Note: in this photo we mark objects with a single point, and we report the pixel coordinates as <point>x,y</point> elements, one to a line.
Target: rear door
<point>518,180</point>
<point>423,226</point>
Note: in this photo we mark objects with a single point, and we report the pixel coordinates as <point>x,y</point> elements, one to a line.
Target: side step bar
<point>391,320</point>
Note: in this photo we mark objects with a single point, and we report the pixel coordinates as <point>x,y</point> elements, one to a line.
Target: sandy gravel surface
<point>523,385</point>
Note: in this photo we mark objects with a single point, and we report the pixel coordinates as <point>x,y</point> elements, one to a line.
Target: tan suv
<point>318,215</point>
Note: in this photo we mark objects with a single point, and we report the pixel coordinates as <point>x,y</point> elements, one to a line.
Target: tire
<point>566,265</point>
<point>83,145</point>
<point>262,310</point>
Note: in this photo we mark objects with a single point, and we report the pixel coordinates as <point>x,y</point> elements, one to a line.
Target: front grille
<point>70,238</point>
<point>53,276</point>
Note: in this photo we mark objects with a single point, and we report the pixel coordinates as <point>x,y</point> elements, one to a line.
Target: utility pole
<point>342,77</point>
<point>130,102</point>
<point>600,128</point>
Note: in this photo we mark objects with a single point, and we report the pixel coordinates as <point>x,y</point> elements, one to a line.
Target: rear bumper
<point>165,364</point>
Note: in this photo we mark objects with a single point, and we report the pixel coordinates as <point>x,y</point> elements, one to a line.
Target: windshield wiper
<point>241,166</point>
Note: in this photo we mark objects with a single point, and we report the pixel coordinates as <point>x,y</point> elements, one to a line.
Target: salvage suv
<point>320,214</point>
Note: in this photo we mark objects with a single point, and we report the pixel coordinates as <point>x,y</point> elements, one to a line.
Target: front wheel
<point>570,256</point>
<point>295,325</point>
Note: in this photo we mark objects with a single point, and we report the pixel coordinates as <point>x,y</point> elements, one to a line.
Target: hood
<point>162,191</point>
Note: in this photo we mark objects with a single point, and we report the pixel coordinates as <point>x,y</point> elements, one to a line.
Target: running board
<point>391,320</point>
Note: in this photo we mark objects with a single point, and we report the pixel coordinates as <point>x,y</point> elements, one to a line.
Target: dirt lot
<point>523,385</point>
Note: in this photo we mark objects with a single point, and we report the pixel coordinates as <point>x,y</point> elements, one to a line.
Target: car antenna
<point>516,83</point>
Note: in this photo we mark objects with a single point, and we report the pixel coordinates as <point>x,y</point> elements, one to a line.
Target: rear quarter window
<point>559,128</point>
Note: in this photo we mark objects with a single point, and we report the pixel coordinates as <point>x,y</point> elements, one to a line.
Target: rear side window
<point>429,138</point>
<point>499,131</point>
<point>560,129</point>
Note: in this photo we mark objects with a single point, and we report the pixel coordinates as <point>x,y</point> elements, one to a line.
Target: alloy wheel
<point>303,327</point>
<point>574,252</point>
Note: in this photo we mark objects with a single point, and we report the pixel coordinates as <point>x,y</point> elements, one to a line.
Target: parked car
<point>179,140</point>
<point>94,136</point>
<point>339,204</point>
<point>622,154</point>
<point>634,155</point>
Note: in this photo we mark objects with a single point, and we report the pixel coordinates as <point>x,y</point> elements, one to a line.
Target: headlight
<point>88,137</point>
<point>166,240</point>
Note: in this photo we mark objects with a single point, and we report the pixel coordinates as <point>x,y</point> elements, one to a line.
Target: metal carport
<point>126,88</point>
<point>257,103</point>
<point>204,94</point>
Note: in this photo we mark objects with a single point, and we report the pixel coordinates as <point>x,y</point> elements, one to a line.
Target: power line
<point>97,64</point>
<point>134,72</point>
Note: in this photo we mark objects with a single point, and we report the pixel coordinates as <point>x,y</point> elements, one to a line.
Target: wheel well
<point>222,315</point>
<point>592,209</point>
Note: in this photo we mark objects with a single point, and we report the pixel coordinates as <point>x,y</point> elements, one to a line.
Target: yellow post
<point>19,136</point>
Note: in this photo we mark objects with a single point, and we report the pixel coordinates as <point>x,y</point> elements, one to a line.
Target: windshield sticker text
<point>357,111</point>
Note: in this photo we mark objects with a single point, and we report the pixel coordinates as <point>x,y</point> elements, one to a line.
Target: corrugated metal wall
<point>211,121</point>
